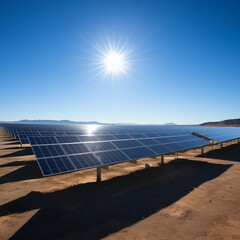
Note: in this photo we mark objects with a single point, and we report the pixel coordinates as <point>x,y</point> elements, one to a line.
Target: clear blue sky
<point>186,65</point>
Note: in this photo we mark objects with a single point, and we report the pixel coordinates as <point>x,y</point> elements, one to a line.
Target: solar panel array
<point>84,151</point>
<point>64,148</point>
<point>23,131</point>
<point>218,134</point>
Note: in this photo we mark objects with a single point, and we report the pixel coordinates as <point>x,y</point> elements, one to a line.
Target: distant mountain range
<point>71,122</point>
<point>229,122</point>
<point>55,122</point>
<point>170,124</point>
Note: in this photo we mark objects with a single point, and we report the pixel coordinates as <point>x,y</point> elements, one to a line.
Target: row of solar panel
<point>98,137</point>
<point>217,139</point>
<point>221,137</point>
<point>147,139</point>
<point>53,165</point>
<point>216,133</point>
<point>59,154</point>
<point>208,131</point>
<point>112,129</point>
<point>24,133</point>
<point>42,151</point>
<point>101,133</point>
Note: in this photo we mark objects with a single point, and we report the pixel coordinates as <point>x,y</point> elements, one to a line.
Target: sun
<point>114,62</point>
<point>112,59</point>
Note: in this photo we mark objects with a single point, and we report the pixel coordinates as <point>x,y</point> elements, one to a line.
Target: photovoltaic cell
<point>47,151</point>
<point>104,137</point>
<point>127,143</point>
<point>159,149</point>
<point>68,139</point>
<point>52,165</point>
<point>100,146</point>
<point>112,157</point>
<point>163,140</point>
<point>148,141</point>
<point>122,136</point>
<point>88,138</point>
<point>139,152</point>
<point>178,138</point>
<point>85,161</point>
<point>137,135</point>
<point>173,147</point>
<point>75,148</point>
<point>44,167</point>
<point>150,134</point>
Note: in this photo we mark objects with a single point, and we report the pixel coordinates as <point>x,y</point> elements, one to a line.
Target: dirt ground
<point>192,197</point>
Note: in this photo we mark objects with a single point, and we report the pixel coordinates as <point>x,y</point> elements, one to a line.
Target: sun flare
<point>113,59</point>
<point>114,62</point>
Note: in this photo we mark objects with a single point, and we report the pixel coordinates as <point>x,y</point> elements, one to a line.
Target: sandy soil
<point>193,197</point>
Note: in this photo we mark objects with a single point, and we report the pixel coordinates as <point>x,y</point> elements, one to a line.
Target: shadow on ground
<point>12,148</point>
<point>231,153</point>
<point>23,152</point>
<point>10,139</point>
<point>95,210</point>
<point>30,170</point>
<point>13,143</point>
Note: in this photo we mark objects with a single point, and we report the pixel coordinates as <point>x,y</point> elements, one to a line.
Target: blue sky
<point>184,63</point>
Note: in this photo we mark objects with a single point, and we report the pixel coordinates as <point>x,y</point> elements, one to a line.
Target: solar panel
<point>47,151</point>
<point>65,148</point>
<point>163,140</point>
<point>75,148</point>
<point>137,135</point>
<point>105,137</point>
<point>151,134</point>
<point>218,134</point>
<point>100,146</point>
<point>122,136</point>
<point>112,157</point>
<point>43,140</point>
<point>139,152</point>
<point>88,138</point>
<point>85,161</point>
<point>105,152</point>
<point>127,143</point>
<point>148,141</point>
<point>174,147</point>
<point>160,149</point>
<point>68,139</point>
<point>44,167</point>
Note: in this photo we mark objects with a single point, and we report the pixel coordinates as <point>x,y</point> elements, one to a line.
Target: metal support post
<point>162,159</point>
<point>99,174</point>
<point>202,150</point>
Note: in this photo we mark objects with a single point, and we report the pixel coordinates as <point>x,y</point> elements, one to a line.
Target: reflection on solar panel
<point>85,161</point>
<point>75,148</point>
<point>127,143</point>
<point>112,157</point>
<point>65,148</point>
<point>139,152</point>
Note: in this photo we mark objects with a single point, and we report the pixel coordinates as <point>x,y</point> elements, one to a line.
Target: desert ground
<point>190,197</point>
